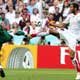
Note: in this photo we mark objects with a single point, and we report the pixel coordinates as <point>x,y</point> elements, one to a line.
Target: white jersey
<point>74,23</point>
<point>73,33</point>
<point>51,10</point>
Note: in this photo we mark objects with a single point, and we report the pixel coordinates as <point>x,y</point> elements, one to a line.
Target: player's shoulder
<point>70,15</point>
<point>78,14</point>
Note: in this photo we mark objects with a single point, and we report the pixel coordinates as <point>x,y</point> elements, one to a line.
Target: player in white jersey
<point>71,35</point>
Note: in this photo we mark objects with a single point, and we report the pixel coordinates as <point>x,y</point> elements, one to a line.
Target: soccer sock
<point>76,64</point>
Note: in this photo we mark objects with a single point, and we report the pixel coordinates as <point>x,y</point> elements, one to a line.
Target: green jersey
<point>4,36</point>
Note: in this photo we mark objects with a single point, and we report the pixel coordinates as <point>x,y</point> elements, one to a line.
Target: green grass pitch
<point>40,74</point>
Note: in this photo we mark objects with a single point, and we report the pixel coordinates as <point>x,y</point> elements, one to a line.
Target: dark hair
<point>2,13</point>
<point>75,5</point>
<point>0,7</point>
<point>35,9</point>
<point>27,21</point>
<point>42,37</point>
<point>49,43</point>
<point>25,9</point>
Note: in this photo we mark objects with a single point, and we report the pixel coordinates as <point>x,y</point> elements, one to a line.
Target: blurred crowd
<point>27,19</point>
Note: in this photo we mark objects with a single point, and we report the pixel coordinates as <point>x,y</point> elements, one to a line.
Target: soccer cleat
<point>78,76</point>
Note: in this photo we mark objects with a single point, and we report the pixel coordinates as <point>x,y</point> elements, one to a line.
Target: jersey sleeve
<point>78,18</point>
<point>67,20</point>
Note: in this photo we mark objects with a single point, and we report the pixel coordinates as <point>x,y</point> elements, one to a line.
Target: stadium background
<point>44,62</point>
<point>32,56</point>
<point>29,59</point>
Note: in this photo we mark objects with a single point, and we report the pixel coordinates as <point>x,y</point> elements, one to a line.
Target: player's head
<point>74,7</point>
<point>42,37</point>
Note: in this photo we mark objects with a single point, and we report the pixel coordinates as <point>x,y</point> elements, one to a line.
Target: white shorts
<point>69,38</point>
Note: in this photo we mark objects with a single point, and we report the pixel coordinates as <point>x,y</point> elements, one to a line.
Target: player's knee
<point>72,55</point>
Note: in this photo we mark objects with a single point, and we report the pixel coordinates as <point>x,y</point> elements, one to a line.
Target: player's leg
<point>75,62</point>
<point>54,32</point>
<point>2,74</point>
<point>71,42</point>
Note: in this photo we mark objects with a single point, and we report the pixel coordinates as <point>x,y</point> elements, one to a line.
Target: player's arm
<point>60,25</point>
<point>64,23</point>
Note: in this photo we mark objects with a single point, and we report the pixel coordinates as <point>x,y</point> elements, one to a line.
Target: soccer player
<point>4,37</point>
<point>72,34</point>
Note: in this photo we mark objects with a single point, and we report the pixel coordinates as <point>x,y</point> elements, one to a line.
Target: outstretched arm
<point>61,25</point>
<point>64,23</point>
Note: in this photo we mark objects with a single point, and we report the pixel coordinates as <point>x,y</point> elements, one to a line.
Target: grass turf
<point>40,74</point>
